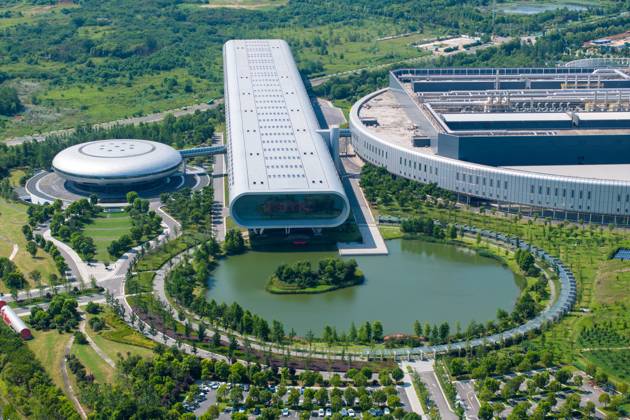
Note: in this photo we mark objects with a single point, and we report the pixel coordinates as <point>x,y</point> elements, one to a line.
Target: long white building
<point>280,170</point>
<point>555,142</point>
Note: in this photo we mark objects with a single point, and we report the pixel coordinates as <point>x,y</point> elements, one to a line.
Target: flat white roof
<point>603,116</point>
<point>616,172</point>
<point>507,116</point>
<point>273,144</point>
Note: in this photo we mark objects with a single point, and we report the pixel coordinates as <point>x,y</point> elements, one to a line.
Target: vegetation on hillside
<point>27,391</point>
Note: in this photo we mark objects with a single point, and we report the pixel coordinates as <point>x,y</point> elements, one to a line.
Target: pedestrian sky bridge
<point>202,151</point>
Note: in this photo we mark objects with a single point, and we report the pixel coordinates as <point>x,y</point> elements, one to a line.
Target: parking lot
<point>207,397</point>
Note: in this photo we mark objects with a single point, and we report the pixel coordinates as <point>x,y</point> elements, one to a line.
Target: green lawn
<point>94,364</point>
<point>118,338</point>
<point>13,216</point>
<point>48,347</point>
<point>105,229</point>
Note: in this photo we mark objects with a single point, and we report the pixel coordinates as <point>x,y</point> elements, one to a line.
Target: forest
<point>89,61</point>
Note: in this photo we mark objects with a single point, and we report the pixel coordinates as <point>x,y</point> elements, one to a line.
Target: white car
<point>285,412</point>
<point>351,412</point>
<point>386,411</point>
<point>320,413</point>
<point>328,412</point>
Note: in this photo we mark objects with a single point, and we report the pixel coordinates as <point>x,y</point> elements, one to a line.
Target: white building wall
<point>559,193</point>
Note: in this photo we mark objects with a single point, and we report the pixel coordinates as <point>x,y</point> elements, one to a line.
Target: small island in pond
<point>301,278</point>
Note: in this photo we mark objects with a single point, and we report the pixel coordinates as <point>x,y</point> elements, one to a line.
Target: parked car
<point>351,413</point>
<point>285,412</point>
<point>328,412</point>
<point>344,412</point>
<point>321,412</point>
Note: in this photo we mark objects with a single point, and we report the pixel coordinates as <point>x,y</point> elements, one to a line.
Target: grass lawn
<point>13,216</point>
<point>48,347</point>
<point>140,283</point>
<point>103,373</point>
<point>106,228</point>
<point>118,339</point>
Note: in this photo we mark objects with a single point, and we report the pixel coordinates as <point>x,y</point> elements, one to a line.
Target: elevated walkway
<point>203,151</point>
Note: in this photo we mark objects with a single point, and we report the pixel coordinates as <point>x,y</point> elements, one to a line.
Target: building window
<point>476,180</point>
<point>580,195</point>
<point>564,192</point>
<point>483,181</point>
<point>457,176</point>
<point>491,182</point>
<point>572,193</point>
<point>548,190</point>
<point>555,192</point>
<point>588,195</point>
<point>505,185</point>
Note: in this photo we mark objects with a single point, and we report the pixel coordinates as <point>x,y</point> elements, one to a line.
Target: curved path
<point>95,346</point>
<point>552,313</point>
<point>66,379</point>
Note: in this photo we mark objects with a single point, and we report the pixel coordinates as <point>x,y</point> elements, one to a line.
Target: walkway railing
<point>563,304</point>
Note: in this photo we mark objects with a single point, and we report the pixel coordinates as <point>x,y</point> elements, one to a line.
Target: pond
<point>430,282</point>
<point>535,8</point>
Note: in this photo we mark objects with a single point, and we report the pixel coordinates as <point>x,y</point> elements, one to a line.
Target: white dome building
<point>120,162</point>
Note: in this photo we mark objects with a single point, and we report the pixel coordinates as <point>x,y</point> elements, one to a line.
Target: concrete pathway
<point>219,209</point>
<point>373,243</point>
<point>428,377</point>
<point>95,347</point>
<point>412,395</point>
<point>14,252</point>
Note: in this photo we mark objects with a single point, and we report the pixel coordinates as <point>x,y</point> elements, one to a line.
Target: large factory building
<point>280,170</point>
<point>547,141</point>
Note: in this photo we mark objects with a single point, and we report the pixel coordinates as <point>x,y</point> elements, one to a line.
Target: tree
<point>397,374</point>
<point>417,328</point>
<point>604,398</point>
<point>10,103</point>
<point>201,331</point>
<point>131,197</point>
<point>31,247</point>
<point>485,411</point>
<point>377,331</point>
<point>234,242</point>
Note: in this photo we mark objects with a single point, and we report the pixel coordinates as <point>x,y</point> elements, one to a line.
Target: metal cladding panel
<point>273,143</point>
<point>575,194</point>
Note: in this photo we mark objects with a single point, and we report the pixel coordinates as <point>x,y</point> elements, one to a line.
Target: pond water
<point>420,280</point>
<point>535,8</point>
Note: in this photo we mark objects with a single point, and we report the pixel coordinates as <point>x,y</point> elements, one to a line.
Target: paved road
<point>410,393</point>
<point>332,114</point>
<point>178,112</point>
<point>427,375</point>
<point>466,392</point>
<point>219,210</point>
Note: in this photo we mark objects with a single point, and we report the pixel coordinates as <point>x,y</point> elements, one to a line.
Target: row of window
<point>484,181</point>
<point>418,166</point>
